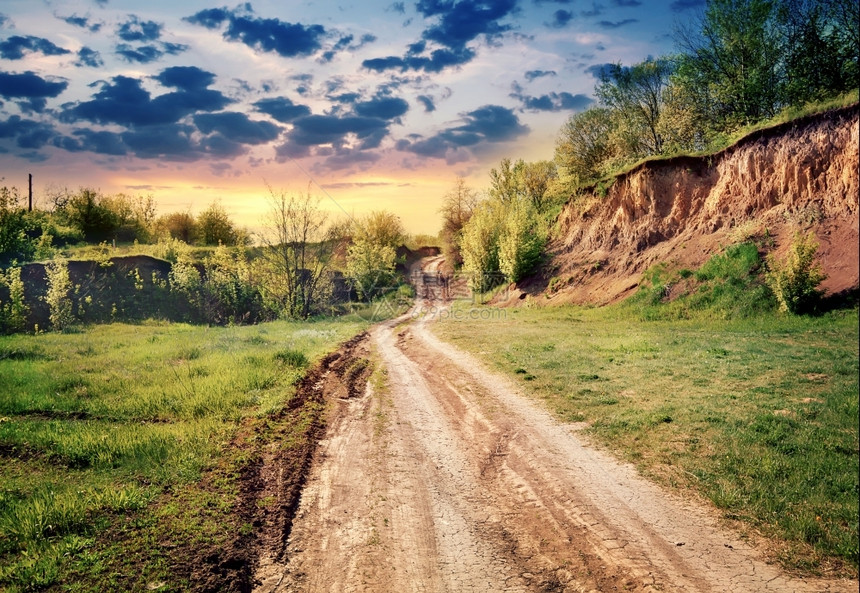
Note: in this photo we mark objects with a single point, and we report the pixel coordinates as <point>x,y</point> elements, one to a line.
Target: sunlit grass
<point>102,421</point>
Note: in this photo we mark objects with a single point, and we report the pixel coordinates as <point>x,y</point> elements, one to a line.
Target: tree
<point>88,211</point>
<point>635,97</point>
<point>457,209</point>
<point>372,255</point>
<point>297,254</point>
<point>536,180</point>
<point>506,181</point>
<point>583,145</point>
<point>215,227</point>
<point>480,245</point>
<point>521,240</point>
<point>735,54</point>
<point>382,228</point>
<point>794,279</point>
<point>14,242</point>
<point>178,225</point>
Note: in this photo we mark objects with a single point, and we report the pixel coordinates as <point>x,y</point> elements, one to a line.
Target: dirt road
<point>442,477</point>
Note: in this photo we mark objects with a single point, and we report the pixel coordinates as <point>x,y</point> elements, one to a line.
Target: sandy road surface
<point>448,479</point>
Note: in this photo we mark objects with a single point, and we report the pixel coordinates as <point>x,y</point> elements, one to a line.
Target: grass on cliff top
<point>96,425</point>
<point>758,413</point>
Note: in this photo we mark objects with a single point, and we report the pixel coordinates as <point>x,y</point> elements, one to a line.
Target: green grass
<point>98,424</point>
<point>759,414</point>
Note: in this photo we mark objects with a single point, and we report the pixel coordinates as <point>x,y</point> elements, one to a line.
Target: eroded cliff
<point>799,176</point>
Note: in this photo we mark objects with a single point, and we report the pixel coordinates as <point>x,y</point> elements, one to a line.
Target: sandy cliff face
<point>796,177</point>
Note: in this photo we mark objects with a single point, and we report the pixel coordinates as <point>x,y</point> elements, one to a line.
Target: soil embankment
<point>798,176</point>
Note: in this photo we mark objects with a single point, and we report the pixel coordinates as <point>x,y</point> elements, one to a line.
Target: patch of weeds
<point>292,358</point>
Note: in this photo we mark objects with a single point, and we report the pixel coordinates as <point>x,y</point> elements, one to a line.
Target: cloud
<point>89,57</point>
<point>125,102</point>
<point>560,19</point>
<point>319,130</point>
<point>616,24</point>
<point>135,29</point>
<point>28,134</point>
<point>555,102</point>
<point>16,46</point>
<point>596,10</point>
<point>382,107</point>
<point>532,74</point>
<point>187,78</point>
<point>145,54</point>
<point>282,109</point>
<point>458,23</point>
<point>237,127</point>
<point>269,35</point>
<point>437,61</point>
<point>93,141</point>
<point>398,7</point>
<point>485,125</point>
<point>428,103</point>
<point>31,88</point>
<point>626,3</point>
<point>82,22</point>
<point>682,5</point>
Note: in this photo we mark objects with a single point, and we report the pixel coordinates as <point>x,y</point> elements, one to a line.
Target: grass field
<point>760,415</point>
<point>98,426</point>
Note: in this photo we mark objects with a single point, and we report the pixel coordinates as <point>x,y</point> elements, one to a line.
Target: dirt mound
<point>798,176</point>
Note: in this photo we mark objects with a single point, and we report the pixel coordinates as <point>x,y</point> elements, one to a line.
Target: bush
<point>794,279</point>
<point>57,297</point>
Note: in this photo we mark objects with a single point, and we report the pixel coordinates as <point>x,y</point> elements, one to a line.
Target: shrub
<point>57,296</point>
<point>794,279</point>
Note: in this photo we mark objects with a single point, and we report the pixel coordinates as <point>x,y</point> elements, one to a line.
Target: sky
<point>369,105</point>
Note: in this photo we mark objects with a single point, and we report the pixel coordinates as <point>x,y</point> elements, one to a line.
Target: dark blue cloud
<point>124,101</point>
<point>186,78</point>
<point>144,54</point>
<point>616,24</point>
<point>398,7</point>
<point>532,74</point>
<point>282,109</point>
<point>626,3</point>
<point>682,5</point>
<point>458,23</point>
<point>316,130</point>
<point>237,127</point>
<point>428,103</point>
<point>560,19</point>
<point>89,57</point>
<point>85,140</point>
<point>32,89</point>
<point>382,107</point>
<point>596,10</point>
<point>437,61</point>
<point>16,46</point>
<point>464,21</point>
<point>487,124</point>
<point>28,134</point>
<point>269,35</point>
<point>162,141</point>
<point>135,29</point>
<point>82,22</point>
<point>555,102</point>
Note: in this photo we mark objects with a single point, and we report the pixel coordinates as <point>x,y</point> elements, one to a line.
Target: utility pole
<point>30,207</point>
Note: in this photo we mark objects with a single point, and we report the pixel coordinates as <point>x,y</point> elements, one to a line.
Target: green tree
<point>14,224</point>
<point>506,181</point>
<point>372,256</point>
<point>634,95</point>
<point>214,226</point>
<point>583,146</point>
<point>537,178</point>
<point>480,245</point>
<point>89,212</point>
<point>522,238</point>
<point>736,56</point>
<point>177,225</point>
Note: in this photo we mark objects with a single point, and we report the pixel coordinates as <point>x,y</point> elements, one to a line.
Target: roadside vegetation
<point>706,385</point>
<point>131,431</point>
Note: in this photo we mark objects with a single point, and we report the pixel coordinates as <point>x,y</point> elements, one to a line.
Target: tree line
<point>743,62</point>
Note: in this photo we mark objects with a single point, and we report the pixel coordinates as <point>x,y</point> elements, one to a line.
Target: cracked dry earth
<point>446,479</point>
